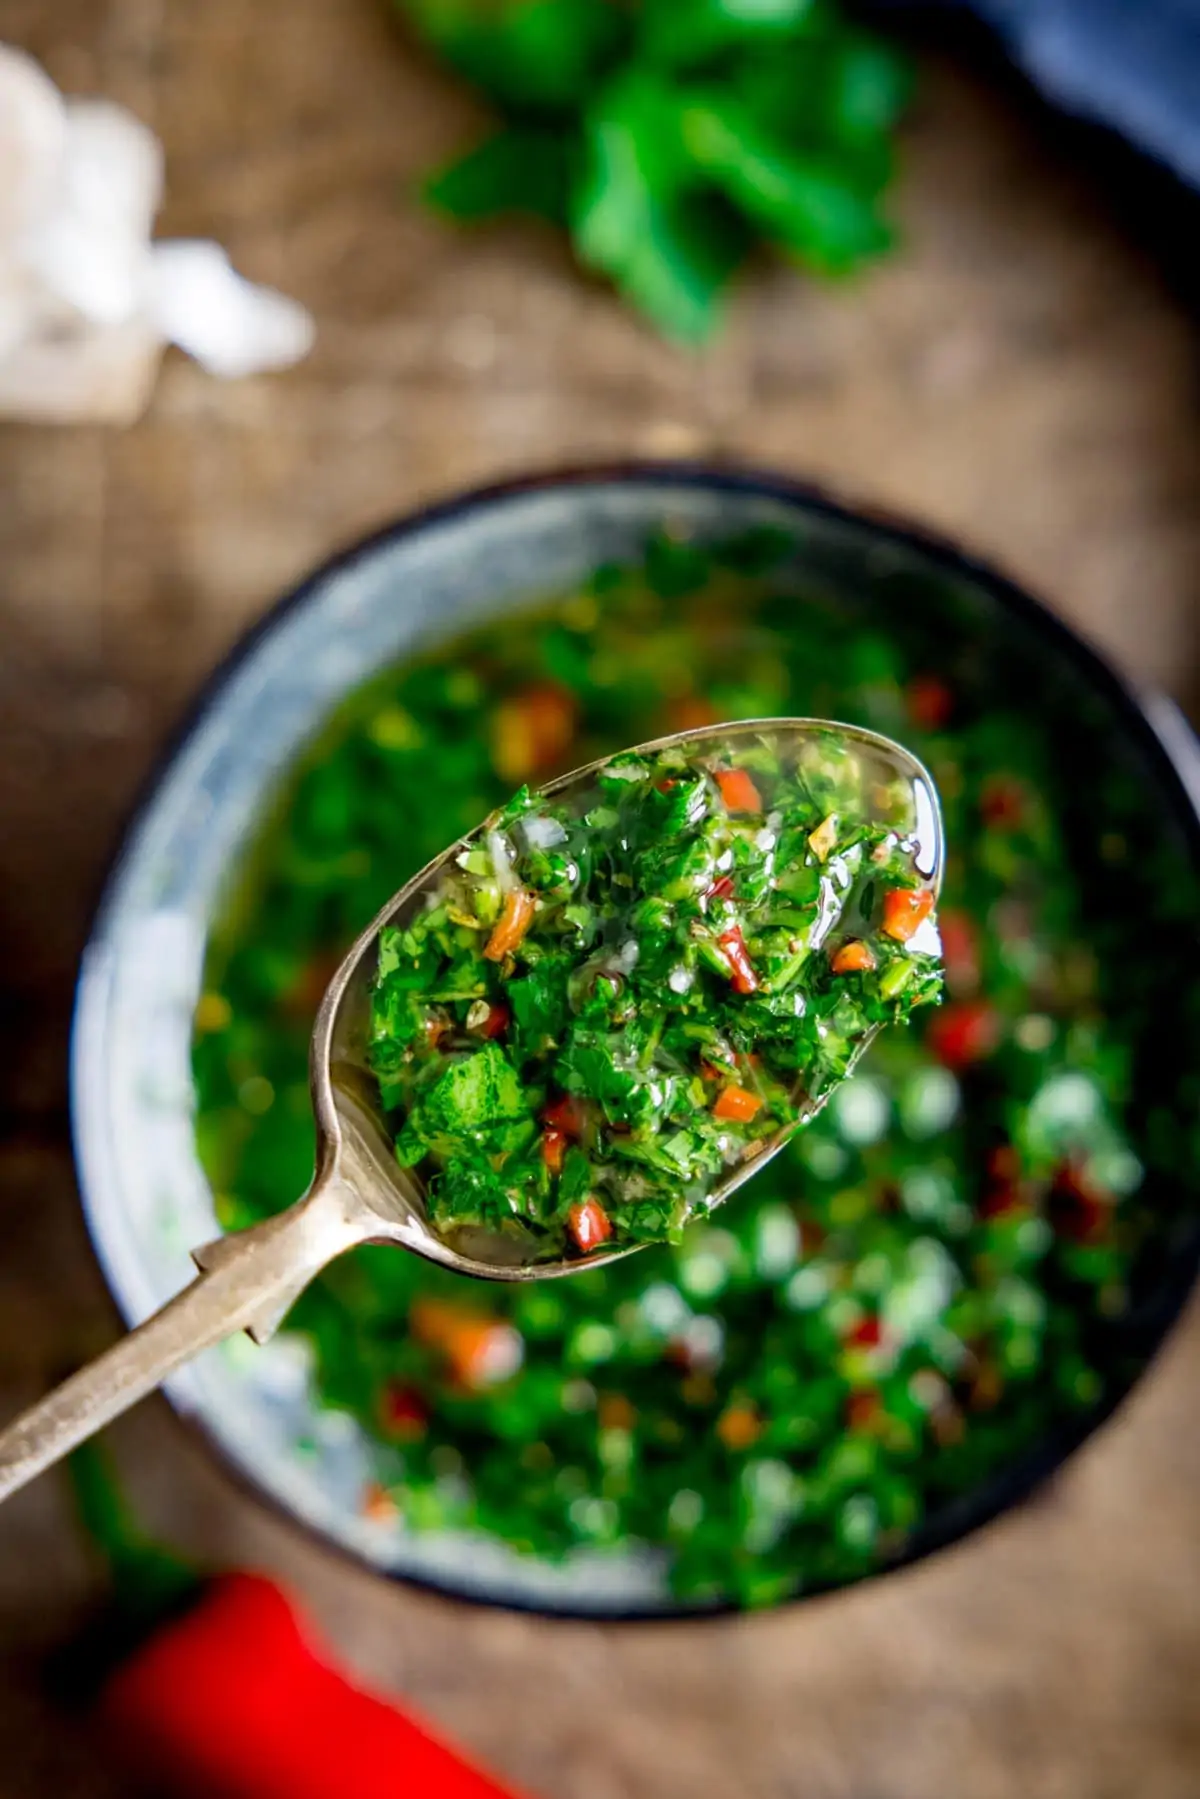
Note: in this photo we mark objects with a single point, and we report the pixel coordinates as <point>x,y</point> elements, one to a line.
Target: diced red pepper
<point>566,1115</point>
<point>615,1412</point>
<point>722,888</point>
<point>1079,1208</point>
<point>554,1150</point>
<point>308,989</point>
<point>854,957</point>
<point>1000,1199</point>
<point>514,921</point>
<point>739,1427</point>
<point>867,1333</point>
<point>479,1350</point>
<point>404,1414</point>
<point>736,1104</point>
<point>738,791</point>
<point>497,1021</point>
<point>863,1410</point>
<point>905,909</point>
<point>960,950</point>
<point>930,702</point>
<point>532,730</point>
<point>589,1225</point>
<point>667,785</point>
<point>963,1032</point>
<point>1002,802</point>
<point>742,972</point>
<point>692,712</point>
<point>376,1504</point>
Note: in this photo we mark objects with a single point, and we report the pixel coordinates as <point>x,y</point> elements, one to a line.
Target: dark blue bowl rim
<point>1004,1490</point>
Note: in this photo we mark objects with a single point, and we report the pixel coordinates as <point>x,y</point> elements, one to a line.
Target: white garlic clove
<point>233,328</point>
<point>32,143</point>
<point>92,248</point>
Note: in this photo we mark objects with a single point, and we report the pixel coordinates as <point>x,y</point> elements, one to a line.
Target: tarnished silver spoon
<point>359,1192</point>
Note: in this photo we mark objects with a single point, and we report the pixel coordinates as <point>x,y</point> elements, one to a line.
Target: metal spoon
<point>359,1193</point>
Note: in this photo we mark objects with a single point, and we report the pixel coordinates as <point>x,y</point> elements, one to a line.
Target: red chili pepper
<point>404,1414</point>
<point>566,1115</point>
<point>930,702</point>
<point>532,730</point>
<point>905,909</point>
<point>863,1410</point>
<point>237,1699</point>
<point>960,950</point>
<point>963,1032</point>
<point>1002,802</point>
<point>854,957</point>
<point>692,713</point>
<point>497,1021</point>
<point>867,1333</point>
<point>554,1150</point>
<point>739,1426</point>
<point>1079,1208</point>
<point>722,888</point>
<point>737,955</point>
<point>738,791</point>
<point>478,1349</point>
<point>515,919</point>
<point>736,1104</point>
<point>589,1225</point>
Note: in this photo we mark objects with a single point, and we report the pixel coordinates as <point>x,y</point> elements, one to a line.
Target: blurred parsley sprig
<point>669,137</point>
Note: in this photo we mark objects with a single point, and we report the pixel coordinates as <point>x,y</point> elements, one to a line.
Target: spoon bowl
<point>360,1193</point>
<point>351,1128</point>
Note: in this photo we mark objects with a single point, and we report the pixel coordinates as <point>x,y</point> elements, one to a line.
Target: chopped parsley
<point>619,994</point>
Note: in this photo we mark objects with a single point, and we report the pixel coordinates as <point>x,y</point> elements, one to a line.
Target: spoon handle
<point>247,1281</point>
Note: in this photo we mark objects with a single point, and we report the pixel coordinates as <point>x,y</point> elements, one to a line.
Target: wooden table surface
<point>1021,375</point>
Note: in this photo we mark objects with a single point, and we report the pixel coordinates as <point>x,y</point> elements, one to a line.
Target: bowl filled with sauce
<point>915,1310</point>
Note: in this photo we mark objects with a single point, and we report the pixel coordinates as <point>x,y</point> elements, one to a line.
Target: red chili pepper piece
<point>739,1427</point>
<point>1002,802</point>
<point>863,1410</point>
<point>1079,1208</point>
<point>960,950</point>
<point>497,1021</point>
<point>478,1350</point>
<point>405,1416</point>
<point>554,1150</point>
<point>930,702</point>
<point>532,730</point>
<point>241,1699</point>
<point>722,888</point>
<point>515,919</point>
<point>737,955</point>
<point>905,910</point>
<point>736,1104</point>
<point>589,1225</point>
<point>963,1032</point>
<point>691,713</point>
<point>867,1333</point>
<point>854,957</point>
<point>738,791</point>
<point>566,1115</point>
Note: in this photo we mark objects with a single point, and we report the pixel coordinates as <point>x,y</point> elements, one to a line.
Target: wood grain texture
<point>1020,375</point>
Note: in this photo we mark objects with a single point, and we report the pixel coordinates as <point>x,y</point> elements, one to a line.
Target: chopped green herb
<point>617,949</point>
<point>671,136</point>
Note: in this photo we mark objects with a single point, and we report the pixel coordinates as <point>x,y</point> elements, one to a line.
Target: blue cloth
<point>1133,65</point>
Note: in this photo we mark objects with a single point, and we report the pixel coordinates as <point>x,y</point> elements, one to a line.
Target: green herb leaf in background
<point>672,136</point>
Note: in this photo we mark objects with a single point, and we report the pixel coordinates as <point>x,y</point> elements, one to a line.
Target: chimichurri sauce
<point>619,996</point>
<point>906,1298</point>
